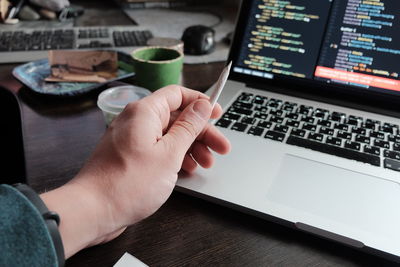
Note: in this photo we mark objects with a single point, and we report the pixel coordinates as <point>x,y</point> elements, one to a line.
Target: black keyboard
<point>347,136</point>
<point>30,44</point>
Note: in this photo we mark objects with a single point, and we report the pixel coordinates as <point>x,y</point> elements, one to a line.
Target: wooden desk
<point>60,135</point>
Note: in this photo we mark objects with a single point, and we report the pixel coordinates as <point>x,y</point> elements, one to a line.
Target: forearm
<point>81,216</point>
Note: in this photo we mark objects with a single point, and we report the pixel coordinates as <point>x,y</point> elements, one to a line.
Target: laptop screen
<point>352,43</point>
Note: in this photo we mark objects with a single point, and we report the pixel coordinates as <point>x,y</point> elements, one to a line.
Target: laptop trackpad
<point>357,200</point>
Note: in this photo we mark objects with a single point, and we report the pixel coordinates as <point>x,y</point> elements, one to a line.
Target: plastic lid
<point>115,99</point>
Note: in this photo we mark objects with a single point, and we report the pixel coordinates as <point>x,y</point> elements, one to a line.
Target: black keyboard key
<point>147,35</point>
<point>305,110</point>
<point>316,137</point>
<point>138,36</point>
<point>386,129</point>
<point>325,123</point>
<point>231,116</point>
<point>292,123</point>
<point>278,120</point>
<point>378,135</point>
<point>392,164</point>
<point>352,145</point>
<point>308,119</point>
<point>372,150</point>
<point>240,127</point>
<point>224,123</point>
<point>260,100</point>
<point>369,125</point>
<point>260,116</point>
<point>344,135</point>
<point>291,104</point>
<point>321,113</point>
<point>326,130</point>
<point>245,97</point>
<point>277,136</point>
<point>273,105</point>
<point>264,124</point>
<point>83,34</point>
<point>334,150</point>
<point>391,125</point>
<point>81,46</point>
<point>337,116</point>
<point>292,116</point>
<point>342,127</point>
<point>396,147</point>
<point>241,111</point>
<point>371,121</point>
<point>281,128</point>
<point>257,131</point>
<point>352,117</point>
<point>334,141</point>
<point>352,121</point>
<point>277,113</point>
<point>358,130</point>
<point>394,138</point>
<point>309,126</point>
<point>248,120</point>
<point>391,154</point>
<point>289,107</point>
<point>239,104</point>
<point>363,139</point>
<point>276,100</point>
<point>298,132</point>
<point>381,143</point>
<point>261,109</point>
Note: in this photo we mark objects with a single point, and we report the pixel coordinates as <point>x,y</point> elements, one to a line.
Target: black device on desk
<point>198,40</point>
<point>12,156</point>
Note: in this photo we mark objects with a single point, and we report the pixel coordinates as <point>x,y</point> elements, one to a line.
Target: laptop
<point>311,108</point>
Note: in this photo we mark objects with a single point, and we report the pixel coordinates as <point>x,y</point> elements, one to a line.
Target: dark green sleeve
<point>24,238</point>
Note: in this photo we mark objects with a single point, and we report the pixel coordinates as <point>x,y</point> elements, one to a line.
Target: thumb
<point>188,126</point>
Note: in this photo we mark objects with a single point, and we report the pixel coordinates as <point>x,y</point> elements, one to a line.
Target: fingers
<point>185,129</point>
<point>202,155</point>
<point>172,98</point>
<point>199,154</point>
<point>189,165</point>
<point>214,139</point>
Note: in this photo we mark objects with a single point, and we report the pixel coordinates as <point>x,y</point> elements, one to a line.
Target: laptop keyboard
<point>20,45</point>
<point>347,136</point>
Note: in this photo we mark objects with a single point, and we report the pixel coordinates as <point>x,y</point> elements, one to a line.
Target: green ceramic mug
<point>156,67</point>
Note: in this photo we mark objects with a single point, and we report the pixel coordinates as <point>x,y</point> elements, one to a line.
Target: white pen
<point>220,84</point>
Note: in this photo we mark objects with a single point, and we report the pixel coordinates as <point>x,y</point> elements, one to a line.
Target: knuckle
<point>188,127</point>
<point>134,107</point>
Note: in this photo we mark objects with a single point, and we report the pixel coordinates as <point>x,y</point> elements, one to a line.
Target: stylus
<point>220,84</point>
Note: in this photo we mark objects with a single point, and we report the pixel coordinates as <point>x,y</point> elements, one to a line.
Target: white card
<point>128,260</point>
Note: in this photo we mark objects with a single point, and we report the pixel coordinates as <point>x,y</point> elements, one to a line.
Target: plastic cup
<point>113,101</point>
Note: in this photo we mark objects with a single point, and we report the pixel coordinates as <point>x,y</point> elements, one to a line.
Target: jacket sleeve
<point>24,238</point>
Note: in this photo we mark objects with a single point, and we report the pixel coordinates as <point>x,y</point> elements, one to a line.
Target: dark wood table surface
<point>59,135</point>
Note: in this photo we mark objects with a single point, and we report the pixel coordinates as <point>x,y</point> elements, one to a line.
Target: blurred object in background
<point>54,5</point>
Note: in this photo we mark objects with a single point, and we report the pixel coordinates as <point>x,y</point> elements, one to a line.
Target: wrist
<point>82,215</point>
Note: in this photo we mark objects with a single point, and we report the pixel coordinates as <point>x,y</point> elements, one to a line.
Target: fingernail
<point>203,109</point>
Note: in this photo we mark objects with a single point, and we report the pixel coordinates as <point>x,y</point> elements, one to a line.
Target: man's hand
<point>135,167</point>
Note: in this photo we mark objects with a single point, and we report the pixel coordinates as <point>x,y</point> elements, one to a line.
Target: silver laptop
<point>312,111</point>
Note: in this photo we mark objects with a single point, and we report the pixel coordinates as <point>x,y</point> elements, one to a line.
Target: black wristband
<point>51,218</point>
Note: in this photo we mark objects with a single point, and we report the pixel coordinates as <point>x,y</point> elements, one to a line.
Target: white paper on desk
<point>128,260</point>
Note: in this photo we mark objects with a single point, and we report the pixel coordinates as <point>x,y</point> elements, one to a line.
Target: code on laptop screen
<point>347,42</point>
